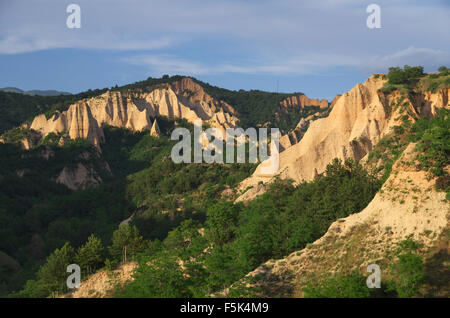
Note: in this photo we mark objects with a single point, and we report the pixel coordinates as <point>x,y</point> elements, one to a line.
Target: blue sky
<point>321,48</point>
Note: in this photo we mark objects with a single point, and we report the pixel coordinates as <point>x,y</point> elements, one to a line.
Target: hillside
<point>407,207</point>
<point>373,161</point>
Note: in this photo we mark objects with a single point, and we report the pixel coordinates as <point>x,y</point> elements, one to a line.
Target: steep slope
<point>357,121</point>
<point>407,206</point>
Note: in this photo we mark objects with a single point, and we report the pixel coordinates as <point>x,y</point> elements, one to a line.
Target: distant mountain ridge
<point>34,92</point>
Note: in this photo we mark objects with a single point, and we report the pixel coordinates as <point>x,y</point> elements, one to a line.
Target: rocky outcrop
<point>358,120</point>
<point>301,101</point>
<point>335,99</point>
<point>79,177</point>
<point>155,129</point>
<point>134,109</point>
<point>78,121</point>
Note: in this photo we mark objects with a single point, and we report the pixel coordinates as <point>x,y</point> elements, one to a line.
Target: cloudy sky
<point>319,47</point>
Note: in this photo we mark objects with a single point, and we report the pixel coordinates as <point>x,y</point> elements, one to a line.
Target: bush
<point>433,86</point>
<point>409,274</point>
<point>434,142</point>
<point>443,69</point>
<point>350,286</point>
<point>160,277</point>
<point>408,75</point>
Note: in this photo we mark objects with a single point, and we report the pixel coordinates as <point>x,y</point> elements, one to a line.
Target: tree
<point>396,75</point>
<point>409,275</point>
<point>186,239</point>
<point>442,69</point>
<point>408,271</point>
<point>126,242</point>
<point>53,274</point>
<point>158,276</point>
<point>90,256</point>
<point>413,71</point>
<point>221,222</point>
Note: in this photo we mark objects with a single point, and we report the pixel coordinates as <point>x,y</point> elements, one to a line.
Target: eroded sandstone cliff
<point>357,121</point>
<point>136,109</point>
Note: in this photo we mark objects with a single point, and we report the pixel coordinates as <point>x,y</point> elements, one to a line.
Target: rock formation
<point>302,101</point>
<point>78,121</point>
<point>79,177</point>
<point>155,129</point>
<point>335,99</point>
<point>357,121</point>
<point>134,109</point>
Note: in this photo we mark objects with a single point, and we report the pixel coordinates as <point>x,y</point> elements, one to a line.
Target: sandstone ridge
<point>136,109</point>
<point>357,121</point>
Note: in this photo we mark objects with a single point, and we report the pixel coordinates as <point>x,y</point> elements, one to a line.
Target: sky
<point>318,47</point>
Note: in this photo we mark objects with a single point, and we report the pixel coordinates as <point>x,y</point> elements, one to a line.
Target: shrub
<point>409,274</point>
<point>433,86</point>
<point>350,286</point>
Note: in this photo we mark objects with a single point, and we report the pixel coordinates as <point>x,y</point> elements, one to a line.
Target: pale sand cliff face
<point>358,120</point>
<point>80,177</point>
<point>302,101</point>
<point>135,110</point>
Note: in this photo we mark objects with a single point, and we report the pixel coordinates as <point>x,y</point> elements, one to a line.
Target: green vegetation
<point>408,270</point>
<point>407,276</point>
<point>238,238</point>
<point>197,253</point>
<point>403,79</point>
<point>433,143</point>
<point>126,243</point>
<point>411,79</point>
<point>16,135</point>
<point>90,256</point>
<point>39,216</point>
<point>350,286</point>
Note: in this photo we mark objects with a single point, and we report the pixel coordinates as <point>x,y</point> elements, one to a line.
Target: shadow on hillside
<point>437,274</point>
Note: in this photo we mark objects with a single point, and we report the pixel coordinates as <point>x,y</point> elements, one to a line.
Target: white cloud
<point>14,44</point>
<point>168,64</point>
<point>299,65</point>
<point>409,56</point>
